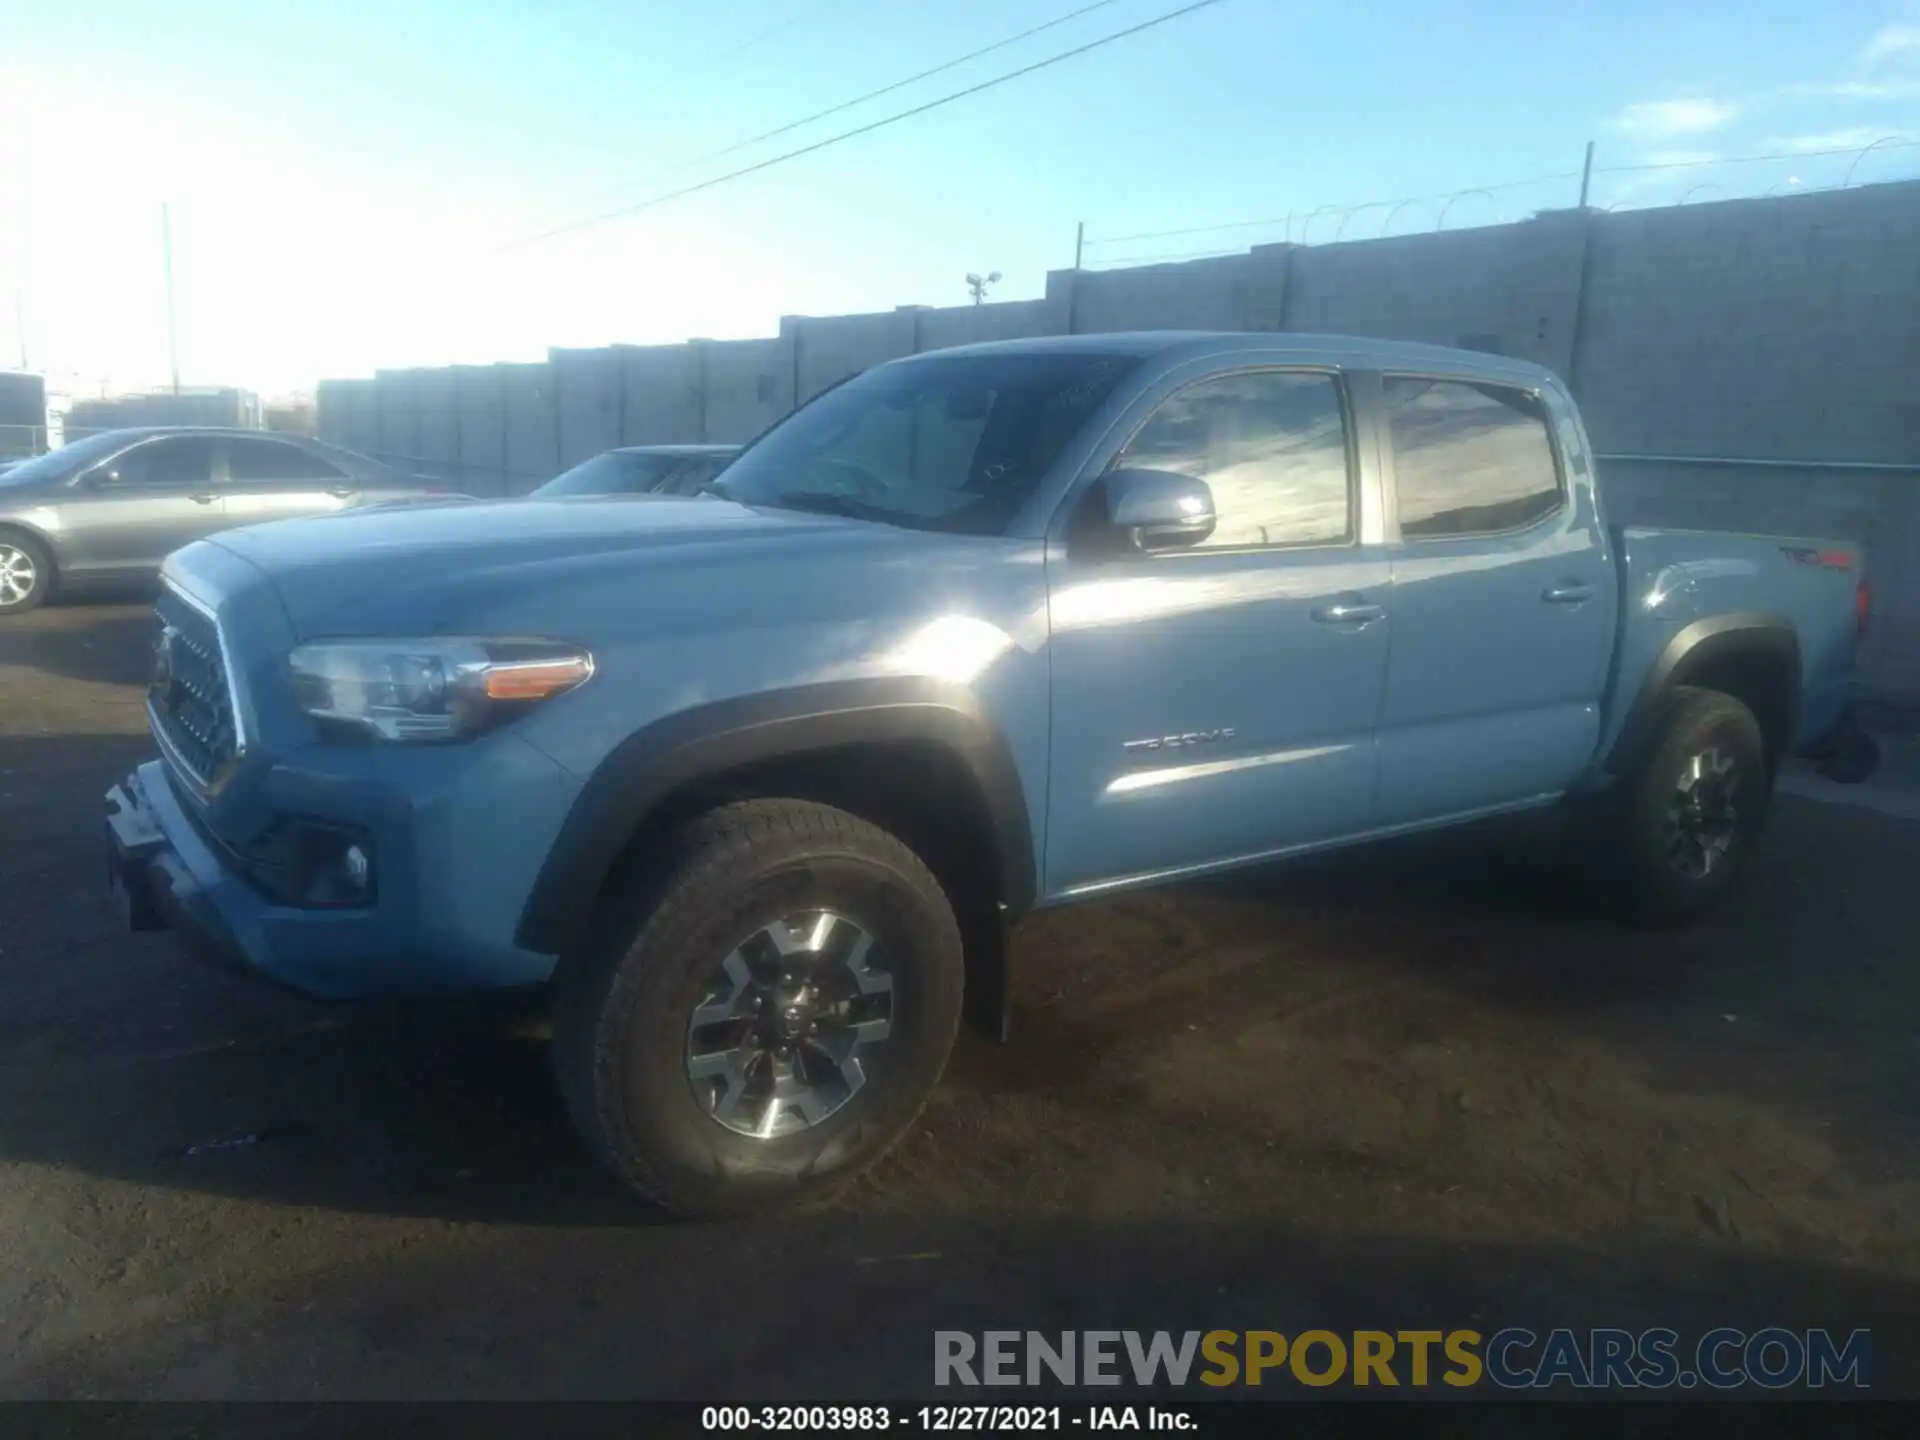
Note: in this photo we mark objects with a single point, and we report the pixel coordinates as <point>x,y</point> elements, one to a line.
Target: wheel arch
<point>1753,657</point>
<point>918,757</point>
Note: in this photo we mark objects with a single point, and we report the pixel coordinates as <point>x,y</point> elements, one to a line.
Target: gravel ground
<point>1433,1086</point>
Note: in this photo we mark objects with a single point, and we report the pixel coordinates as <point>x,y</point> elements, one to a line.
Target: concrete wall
<point>1511,288</point>
<point>588,399</point>
<point>346,413</point>
<point>482,426</point>
<point>832,348</point>
<point>437,434</point>
<point>973,324</point>
<point>532,431</point>
<point>396,417</point>
<point>663,400</point>
<point>745,386</point>
<point>1785,327</point>
<point>1196,295</point>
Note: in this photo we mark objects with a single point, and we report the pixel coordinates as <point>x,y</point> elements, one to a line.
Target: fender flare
<point>708,740</point>
<point>1693,648</point>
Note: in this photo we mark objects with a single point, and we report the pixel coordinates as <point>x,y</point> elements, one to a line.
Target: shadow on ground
<point>841,1307</point>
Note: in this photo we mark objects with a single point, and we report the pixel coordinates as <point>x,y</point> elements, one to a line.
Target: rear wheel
<point>26,575</point>
<point>775,1018</point>
<point>1693,810</point>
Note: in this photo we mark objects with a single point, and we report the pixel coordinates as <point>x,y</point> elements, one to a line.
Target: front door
<point>1218,702</point>
<point>128,513</point>
<point>1503,606</point>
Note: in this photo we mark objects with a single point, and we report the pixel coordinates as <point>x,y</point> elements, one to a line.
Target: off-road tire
<point>1649,884</point>
<point>42,573</point>
<point>623,1002</point>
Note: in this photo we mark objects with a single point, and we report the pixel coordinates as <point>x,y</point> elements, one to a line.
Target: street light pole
<point>166,256</point>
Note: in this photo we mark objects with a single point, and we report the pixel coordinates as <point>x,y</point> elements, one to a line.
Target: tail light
<point>1862,605</point>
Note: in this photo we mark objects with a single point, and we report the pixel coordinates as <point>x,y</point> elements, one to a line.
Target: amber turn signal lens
<point>536,679</point>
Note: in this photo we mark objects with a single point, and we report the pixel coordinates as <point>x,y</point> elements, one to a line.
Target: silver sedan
<point>108,509</point>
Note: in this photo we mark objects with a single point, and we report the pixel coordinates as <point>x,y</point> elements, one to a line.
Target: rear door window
<point>274,462</point>
<point>1468,458</point>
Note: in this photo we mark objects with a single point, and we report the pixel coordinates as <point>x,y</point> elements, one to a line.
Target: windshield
<point>953,444</point>
<point>59,464</point>
<point>621,472</point>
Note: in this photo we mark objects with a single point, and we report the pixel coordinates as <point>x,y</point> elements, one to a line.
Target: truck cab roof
<point>1347,351</point>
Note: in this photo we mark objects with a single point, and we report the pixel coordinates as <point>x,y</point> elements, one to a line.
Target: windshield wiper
<point>827,504</point>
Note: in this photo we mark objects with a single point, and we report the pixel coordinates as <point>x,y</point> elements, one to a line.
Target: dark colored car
<point>109,508</point>
<point>641,470</point>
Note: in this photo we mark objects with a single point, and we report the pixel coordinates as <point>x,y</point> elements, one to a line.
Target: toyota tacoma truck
<point>754,782</point>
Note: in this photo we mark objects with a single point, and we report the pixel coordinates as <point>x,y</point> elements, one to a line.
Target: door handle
<point>1568,592</point>
<point>1348,610</point>
<point>341,492</point>
<point>203,497</point>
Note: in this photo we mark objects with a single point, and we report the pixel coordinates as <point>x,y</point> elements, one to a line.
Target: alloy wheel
<point>1703,816</point>
<point>781,1039</point>
<point>17,575</point>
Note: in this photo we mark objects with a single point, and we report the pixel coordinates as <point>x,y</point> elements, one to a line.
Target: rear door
<point>128,513</point>
<point>1502,603</point>
<point>270,479</point>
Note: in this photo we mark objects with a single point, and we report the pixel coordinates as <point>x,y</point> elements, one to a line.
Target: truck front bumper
<point>153,884</point>
<point>438,923</point>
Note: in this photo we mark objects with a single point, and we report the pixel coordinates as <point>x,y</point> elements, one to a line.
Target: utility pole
<point>979,284</point>
<point>1079,243</point>
<point>20,324</point>
<point>166,256</point>
<point>1586,176</point>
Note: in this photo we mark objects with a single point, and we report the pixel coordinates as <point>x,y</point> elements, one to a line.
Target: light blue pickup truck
<point>756,780</point>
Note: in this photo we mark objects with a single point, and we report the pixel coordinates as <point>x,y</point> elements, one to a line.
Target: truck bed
<point>1670,579</point>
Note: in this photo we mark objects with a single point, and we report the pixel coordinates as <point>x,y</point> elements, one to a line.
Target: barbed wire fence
<point>1331,224</point>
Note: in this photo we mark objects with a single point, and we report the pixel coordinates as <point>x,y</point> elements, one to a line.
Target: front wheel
<point>1693,810</point>
<point>775,1018</point>
<point>26,574</point>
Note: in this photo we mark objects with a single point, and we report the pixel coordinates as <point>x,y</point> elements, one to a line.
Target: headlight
<point>433,689</point>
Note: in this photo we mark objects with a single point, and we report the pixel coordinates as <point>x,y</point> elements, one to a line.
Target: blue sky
<point>346,178</point>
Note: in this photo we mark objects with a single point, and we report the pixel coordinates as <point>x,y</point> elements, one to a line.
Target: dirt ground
<point>1433,1087</point>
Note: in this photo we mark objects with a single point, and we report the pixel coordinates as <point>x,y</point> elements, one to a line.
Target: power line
<point>765,135</point>
<point>866,129</point>
<point>697,69</point>
<point>941,68</point>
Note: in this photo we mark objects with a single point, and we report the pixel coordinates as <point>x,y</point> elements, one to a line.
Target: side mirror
<point>100,478</point>
<point>1159,509</point>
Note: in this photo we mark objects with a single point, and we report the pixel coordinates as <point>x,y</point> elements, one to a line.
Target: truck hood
<point>429,561</point>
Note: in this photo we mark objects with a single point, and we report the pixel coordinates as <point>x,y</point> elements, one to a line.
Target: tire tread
<point>650,907</point>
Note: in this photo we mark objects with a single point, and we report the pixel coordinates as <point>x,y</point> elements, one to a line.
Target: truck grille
<point>190,698</point>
